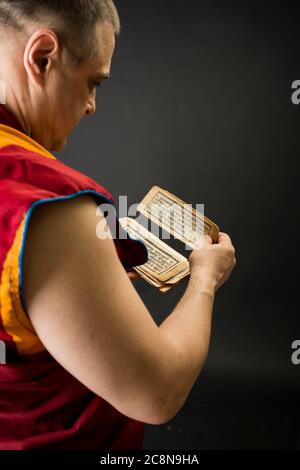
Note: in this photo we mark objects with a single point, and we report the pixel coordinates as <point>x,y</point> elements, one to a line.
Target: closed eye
<point>95,84</point>
<point>98,82</point>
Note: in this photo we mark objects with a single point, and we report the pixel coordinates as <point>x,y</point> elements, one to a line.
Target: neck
<point>8,119</point>
<point>15,97</point>
<point>15,109</point>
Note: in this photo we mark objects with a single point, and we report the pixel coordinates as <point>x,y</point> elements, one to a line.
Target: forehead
<point>104,45</point>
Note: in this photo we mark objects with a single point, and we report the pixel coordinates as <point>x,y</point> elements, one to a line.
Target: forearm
<point>188,327</point>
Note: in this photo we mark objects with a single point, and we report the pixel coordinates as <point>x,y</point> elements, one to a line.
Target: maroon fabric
<point>41,405</point>
<point>8,119</point>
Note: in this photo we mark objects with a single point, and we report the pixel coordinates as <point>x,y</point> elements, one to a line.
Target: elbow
<point>150,409</point>
<point>165,414</point>
<point>159,412</point>
<point>172,392</point>
<point>166,409</point>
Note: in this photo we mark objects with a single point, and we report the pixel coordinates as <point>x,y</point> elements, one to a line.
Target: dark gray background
<point>200,104</point>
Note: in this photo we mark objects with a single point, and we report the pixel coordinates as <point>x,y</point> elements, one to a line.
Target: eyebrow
<point>103,76</point>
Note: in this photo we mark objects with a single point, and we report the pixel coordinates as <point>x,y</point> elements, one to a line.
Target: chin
<point>59,145</point>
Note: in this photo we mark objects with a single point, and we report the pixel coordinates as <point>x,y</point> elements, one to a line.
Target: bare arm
<point>189,325</point>
<point>90,318</point>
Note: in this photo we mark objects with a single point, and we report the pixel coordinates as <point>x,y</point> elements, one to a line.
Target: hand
<point>213,262</point>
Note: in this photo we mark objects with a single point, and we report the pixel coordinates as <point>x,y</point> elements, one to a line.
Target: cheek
<point>72,104</point>
<point>75,110</point>
<point>80,102</point>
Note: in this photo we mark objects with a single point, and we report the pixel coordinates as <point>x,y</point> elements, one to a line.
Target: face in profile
<point>67,92</point>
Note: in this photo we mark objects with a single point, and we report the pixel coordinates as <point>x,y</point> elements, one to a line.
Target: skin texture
<point>48,94</point>
<point>88,314</point>
<point>90,317</point>
<point>70,299</point>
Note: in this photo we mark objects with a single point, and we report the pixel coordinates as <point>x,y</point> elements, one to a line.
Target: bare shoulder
<point>88,314</point>
<point>60,238</point>
<point>69,219</point>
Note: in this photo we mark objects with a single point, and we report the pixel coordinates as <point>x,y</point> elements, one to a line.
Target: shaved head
<point>55,54</point>
<point>73,21</point>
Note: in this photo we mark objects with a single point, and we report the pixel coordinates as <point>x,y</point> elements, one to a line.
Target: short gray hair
<point>74,21</point>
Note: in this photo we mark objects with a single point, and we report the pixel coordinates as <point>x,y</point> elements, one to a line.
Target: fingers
<point>224,239</point>
<point>208,239</point>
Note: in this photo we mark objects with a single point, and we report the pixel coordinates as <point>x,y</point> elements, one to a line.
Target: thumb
<point>207,239</point>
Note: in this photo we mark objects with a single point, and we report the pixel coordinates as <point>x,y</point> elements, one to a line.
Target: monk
<point>85,365</point>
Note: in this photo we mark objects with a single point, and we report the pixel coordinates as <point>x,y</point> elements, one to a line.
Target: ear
<point>40,52</point>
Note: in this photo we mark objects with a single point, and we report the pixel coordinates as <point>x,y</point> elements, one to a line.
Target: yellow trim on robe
<point>11,136</point>
<point>14,319</point>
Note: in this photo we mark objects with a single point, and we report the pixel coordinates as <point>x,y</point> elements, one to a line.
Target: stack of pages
<point>166,268</point>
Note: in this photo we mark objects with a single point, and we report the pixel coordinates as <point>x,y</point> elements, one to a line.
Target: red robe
<point>42,406</point>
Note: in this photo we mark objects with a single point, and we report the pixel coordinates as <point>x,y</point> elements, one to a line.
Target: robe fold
<point>42,406</point>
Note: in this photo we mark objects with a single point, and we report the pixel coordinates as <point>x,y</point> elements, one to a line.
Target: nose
<point>91,106</point>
